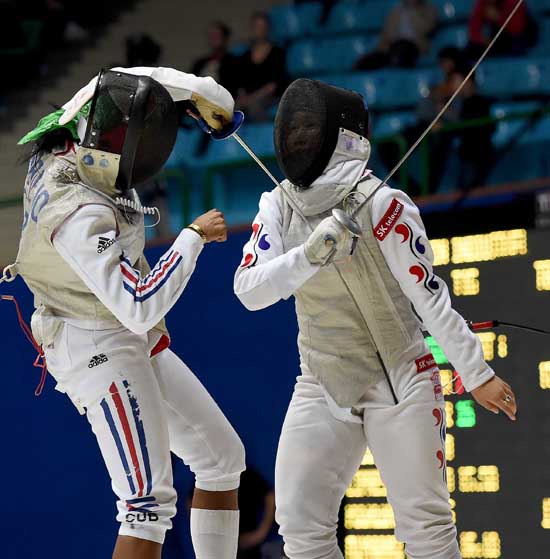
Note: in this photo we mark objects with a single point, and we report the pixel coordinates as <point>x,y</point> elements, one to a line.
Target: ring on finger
<point>508,398</point>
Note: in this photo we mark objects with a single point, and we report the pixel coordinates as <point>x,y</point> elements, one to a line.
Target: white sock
<point>215,533</point>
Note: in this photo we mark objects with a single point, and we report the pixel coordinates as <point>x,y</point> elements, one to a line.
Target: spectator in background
<point>489,16</point>
<point>476,150</point>
<point>257,513</point>
<point>218,63</point>
<point>405,36</point>
<point>262,72</point>
<point>142,50</point>
<point>257,517</point>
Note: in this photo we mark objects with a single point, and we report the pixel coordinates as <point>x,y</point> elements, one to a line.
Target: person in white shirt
<point>367,375</point>
<point>100,309</point>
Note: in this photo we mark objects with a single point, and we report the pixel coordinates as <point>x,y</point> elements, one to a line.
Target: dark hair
<point>226,31</point>
<point>47,143</point>
<point>261,15</point>
<point>453,53</point>
<point>457,55</point>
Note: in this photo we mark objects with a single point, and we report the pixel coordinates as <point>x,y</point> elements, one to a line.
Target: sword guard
<point>347,222</point>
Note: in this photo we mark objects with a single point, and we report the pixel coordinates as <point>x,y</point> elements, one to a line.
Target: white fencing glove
<point>327,238</point>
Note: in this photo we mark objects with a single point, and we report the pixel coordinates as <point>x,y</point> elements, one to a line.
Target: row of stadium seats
<point>292,22</point>
<point>236,182</point>
<point>399,89</point>
<point>260,136</point>
<point>338,54</point>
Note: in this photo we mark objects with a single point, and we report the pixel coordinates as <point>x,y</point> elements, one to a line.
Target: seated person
<point>405,36</point>
<point>262,72</point>
<point>488,17</point>
<point>219,63</point>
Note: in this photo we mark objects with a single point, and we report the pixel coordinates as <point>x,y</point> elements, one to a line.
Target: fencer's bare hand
<point>497,395</point>
<point>213,225</point>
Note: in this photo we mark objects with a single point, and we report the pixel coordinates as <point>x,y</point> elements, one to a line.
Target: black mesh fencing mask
<point>131,131</point>
<point>309,118</point>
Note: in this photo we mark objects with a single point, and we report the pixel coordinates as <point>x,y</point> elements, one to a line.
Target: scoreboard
<point>498,471</point>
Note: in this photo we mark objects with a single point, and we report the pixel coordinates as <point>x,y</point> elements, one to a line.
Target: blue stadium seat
<point>237,186</point>
<point>238,49</point>
<point>387,89</point>
<point>539,7</point>
<point>185,149</point>
<point>531,149</point>
<point>455,36</point>
<point>393,123</point>
<point>454,11</point>
<point>304,57</point>
<point>543,46</point>
<point>349,17</point>
<point>338,54</point>
<point>258,136</point>
<point>505,78</point>
<point>291,22</point>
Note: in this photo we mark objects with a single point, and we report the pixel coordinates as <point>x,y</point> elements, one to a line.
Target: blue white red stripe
<point>143,288</point>
<point>122,414</point>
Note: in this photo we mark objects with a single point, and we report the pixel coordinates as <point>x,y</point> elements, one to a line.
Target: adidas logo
<point>104,243</point>
<point>97,360</point>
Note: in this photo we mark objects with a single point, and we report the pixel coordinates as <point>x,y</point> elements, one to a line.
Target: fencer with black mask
<point>100,308</point>
<point>367,375</point>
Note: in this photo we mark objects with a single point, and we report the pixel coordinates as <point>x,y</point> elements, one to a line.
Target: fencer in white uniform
<point>367,375</point>
<point>100,309</point>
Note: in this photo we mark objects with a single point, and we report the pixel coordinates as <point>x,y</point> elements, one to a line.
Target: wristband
<point>198,230</point>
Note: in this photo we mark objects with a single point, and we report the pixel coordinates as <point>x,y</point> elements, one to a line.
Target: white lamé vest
<point>53,192</point>
<point>353,317</point>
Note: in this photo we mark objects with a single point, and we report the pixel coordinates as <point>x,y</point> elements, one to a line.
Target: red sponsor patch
<point>389,219</point>
<point>425,363</point>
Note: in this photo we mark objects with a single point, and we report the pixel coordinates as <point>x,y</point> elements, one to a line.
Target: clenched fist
<point>213,225</point>
<point>325,241</point>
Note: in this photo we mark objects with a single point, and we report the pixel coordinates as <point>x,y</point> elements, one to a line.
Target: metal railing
<point>181,176</point>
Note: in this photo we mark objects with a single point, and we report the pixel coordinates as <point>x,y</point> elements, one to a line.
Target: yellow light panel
<point>487,548</point>
<point>373,547</point>
<point>546,514</point>
<point>441,250</point>
<point>544,375</point>
<point>490,246</point>
<point>450,414</point>
<point>451,479</point>
<point>446,381</point>
<point>487,340</point>
<point>368,459</point>
<point>502,346</point>
<point>452,503</point>
<point>481,479</point>
<point>366,483</point>
<point>450,447</point>
<point>369,516</point>
<point>542,274</point>
<point>465,281</point>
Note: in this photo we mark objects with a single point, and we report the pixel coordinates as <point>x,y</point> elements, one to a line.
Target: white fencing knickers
<point>321,448</point>
<point>140,409</point>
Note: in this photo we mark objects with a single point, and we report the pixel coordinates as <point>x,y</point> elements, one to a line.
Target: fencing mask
<point>131,131</point>
<point>310,118</point>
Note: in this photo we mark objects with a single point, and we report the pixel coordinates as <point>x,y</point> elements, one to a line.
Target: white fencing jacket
<point>337,342</point>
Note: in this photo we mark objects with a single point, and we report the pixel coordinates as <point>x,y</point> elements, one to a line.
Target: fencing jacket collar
<point>339,178</point>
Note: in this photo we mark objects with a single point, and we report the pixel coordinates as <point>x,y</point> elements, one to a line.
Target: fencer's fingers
<point>506,407</point>
<point>489,406</point>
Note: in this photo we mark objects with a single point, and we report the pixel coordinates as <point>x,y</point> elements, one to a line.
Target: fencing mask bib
<point>131,130</point>
<point>310,117</point>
